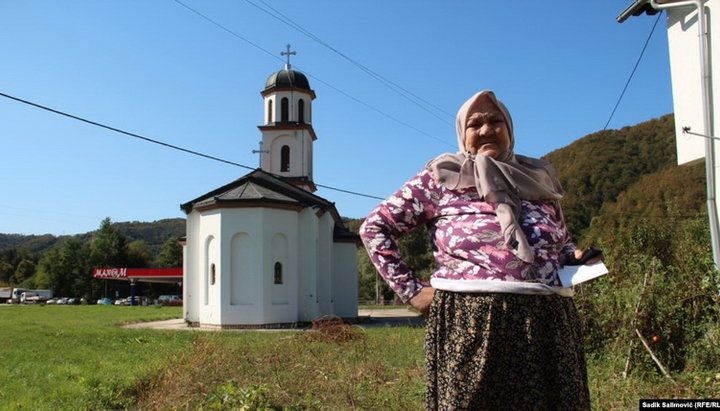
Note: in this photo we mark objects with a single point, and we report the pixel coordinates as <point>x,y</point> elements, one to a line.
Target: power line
<point>349,192</point>
<point>403,92</point>
<point>211,21</point>
<point>161,143</point>
<point>377,110</point>
<point>127,133</point>
<point>633,71</point>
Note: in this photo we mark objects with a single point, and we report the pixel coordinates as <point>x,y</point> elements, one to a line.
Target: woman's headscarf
<point>504,181</point>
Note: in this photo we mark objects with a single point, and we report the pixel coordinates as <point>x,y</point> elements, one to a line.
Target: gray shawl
<point>504,181</point>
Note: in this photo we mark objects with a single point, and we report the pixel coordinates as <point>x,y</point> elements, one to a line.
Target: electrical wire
<point>377,110</point>
<point>211,21</point>
<point>161,143</point>
<point>403,92</point>
<point>127,133</point>
<point>633,71</point>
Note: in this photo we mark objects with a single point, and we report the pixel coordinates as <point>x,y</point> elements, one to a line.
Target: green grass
<point>78,357</point>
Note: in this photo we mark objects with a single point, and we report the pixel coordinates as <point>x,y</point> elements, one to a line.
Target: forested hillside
<point>153,234</point>
<point>597,168</point>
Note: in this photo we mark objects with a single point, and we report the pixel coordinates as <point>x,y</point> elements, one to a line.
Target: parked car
<point>63,300</point>
<point>51,301</point>
<point>139,300</point>
<point>169,300</point>
<point>105,301</point>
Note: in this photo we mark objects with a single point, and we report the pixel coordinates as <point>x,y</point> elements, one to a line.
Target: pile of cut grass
<point>380,369</point>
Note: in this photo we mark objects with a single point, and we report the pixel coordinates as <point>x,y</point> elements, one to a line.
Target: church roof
<point>288,79</point>
<point>247,191</point>
<point>261,189</point>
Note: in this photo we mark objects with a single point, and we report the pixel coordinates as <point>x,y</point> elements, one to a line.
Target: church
<point>264,250</point>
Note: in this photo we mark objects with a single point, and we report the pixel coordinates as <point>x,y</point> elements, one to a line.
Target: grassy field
<point>63,357</point>
<point>78,357</point>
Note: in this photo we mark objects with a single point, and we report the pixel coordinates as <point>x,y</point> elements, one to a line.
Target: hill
<point>153,233</point>
<point>599,167</point>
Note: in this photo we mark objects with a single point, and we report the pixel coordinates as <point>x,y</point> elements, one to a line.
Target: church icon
<point>264,250</point>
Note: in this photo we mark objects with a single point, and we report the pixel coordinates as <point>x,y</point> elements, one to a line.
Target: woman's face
<point>486,132</point>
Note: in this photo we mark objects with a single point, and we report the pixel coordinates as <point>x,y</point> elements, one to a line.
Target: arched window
<point>301,111</point>
<point>278,273</point>
<point>270,113</point>
<point>284,110</point>
<point>285,158</point>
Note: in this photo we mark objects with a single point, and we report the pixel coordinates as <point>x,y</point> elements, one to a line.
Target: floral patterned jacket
<point>469,250</point>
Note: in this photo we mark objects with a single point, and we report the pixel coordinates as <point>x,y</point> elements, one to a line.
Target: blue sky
<point>160,70</point>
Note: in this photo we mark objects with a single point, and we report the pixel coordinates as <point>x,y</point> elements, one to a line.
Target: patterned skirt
<point>494,351</point>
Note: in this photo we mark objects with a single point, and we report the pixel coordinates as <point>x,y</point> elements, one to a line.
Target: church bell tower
<point>287,135</point>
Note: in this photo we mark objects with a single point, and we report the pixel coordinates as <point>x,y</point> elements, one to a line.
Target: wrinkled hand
<point>579,256</point>
<point>422,300</point>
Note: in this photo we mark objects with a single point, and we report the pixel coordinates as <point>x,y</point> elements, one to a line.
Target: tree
<point>24,271</point>
<point>171,254</point>
<point>371,286</point>
<point>108,248</point>
<point>65,270</point>
<point>6,272</point>
<point>138,254</point>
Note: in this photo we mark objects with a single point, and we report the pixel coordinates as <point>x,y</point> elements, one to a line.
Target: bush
<point>678,313</point>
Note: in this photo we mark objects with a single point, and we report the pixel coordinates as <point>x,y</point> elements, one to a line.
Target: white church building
<point>263,249</point>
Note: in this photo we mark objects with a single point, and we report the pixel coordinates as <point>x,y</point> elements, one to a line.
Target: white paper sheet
<point>575,274</point>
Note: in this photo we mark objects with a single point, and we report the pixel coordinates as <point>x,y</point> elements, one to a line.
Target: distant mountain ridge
<point>153,233</point>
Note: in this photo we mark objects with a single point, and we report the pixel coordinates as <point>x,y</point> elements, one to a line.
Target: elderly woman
<point>502,332</point>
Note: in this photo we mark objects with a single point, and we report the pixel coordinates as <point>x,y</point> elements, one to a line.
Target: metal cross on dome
<point>288,53</point>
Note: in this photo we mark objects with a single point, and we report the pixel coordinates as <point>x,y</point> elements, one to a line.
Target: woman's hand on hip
<point>422,300</point>
<point>589,256</point>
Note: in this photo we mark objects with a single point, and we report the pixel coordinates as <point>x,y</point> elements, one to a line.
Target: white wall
<point>324,256</point>
<point>208,255</point>
<point>308,295</point>
<point>345,279</point>
<point>281,230</point>
<point>248,236</point>
<point>293,98</point>
<point>191,281</point>
<point>300,143</point>
<point>685,63</point>
<point>292,139</point>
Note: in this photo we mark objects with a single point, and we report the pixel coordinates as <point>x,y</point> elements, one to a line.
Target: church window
<point>285,158</point>
<point>278,273</point>
<point>270,113</point>
<point>212,274</point>
<point>284,110</point>
<point>301,111</point>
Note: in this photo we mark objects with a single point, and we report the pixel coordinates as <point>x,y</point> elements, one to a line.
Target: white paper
<point>575,274</point>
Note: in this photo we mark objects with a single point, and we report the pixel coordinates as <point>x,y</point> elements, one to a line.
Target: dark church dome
<point>287,79</point>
